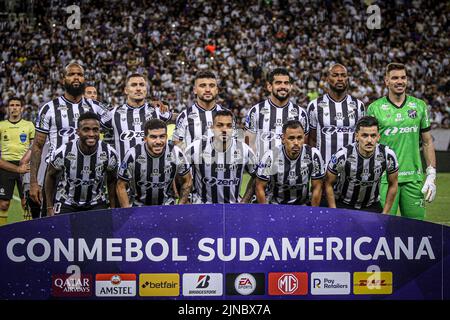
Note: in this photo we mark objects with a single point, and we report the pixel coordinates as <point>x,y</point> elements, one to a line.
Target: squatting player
<point>291,167</point>
<point>358,168</point>
<point>403,122</point>
<point>78,169</point>
<point>218,164</point>
<point>149,168</point>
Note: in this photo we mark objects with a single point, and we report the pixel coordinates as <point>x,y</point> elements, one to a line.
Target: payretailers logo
<point>330,283</point>
<point>379,282</point>
<point>159,284</point>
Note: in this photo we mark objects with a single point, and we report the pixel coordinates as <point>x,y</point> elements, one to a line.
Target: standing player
<point>194,122</point>
<point>90,92</point>
<point>16,136</point>
<point>149,168</point>
<point>403,122</point>
<point>264,122</point>
<point>358,168</point>
<point>218,164</point>
<point>290,167</point>
<point>57,121</point>
<point>334,115</point>
<point>127,121</point>
<point>79,168</point>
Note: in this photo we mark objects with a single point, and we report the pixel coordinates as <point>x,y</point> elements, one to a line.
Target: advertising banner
<point>221,252</point>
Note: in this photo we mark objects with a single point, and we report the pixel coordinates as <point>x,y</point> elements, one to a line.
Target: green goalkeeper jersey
<point>400,129</point>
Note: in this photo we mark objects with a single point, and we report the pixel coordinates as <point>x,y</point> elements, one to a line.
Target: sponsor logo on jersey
<point>372,282</point>
<point>291,283</point>
<point>202,284</point>
<point>130,134</point>
<point>115,285</point>
<point>66,132</point>
<point>333,129</point>
<point>221,182</point>
<point>330,283</point>
<point>245,284</point>
<point>402,130</point>
<point>159,284</point>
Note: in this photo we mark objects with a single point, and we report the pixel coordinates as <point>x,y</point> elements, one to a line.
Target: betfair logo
<point>159,285</point>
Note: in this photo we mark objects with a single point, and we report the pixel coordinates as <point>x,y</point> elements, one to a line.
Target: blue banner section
<point>225,252</point>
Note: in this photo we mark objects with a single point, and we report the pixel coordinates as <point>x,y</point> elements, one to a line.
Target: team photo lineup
<point>332,149</point>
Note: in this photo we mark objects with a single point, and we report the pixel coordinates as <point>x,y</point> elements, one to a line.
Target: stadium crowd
<point>171,41</point>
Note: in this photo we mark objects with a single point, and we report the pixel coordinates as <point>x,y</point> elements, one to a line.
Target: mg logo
<point>288,283</point>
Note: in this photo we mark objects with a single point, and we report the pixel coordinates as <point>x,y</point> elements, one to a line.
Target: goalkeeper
<point>403,122</point>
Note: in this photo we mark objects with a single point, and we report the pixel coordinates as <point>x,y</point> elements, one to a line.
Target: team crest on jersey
<point>412,105</point>
<point>264,111</point>
<point>365,175</point>
<point>380,157</point>
<point>322,105</point>
<point>103,156</point>
<point>141,159</point>
<point>412,114</point>
<point>155,173</point>
<point>71,157</point>
<point>306,159</point>
<point>122,111</point>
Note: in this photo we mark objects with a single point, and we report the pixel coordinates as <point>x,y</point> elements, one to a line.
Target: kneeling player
<point>82,165</point>
<point>149,168</point>
<point>288,170</point>
<point>358,168</point>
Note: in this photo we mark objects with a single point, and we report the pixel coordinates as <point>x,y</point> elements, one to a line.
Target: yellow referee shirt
<point>15,139</point>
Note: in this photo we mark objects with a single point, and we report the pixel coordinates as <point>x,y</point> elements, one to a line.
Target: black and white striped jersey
<point>266,120</point>
<point>58,119</point>
<point>290,179</point>
<point>82,182</point>
<point>128,122</point>
<point>194,123</point>
<point>359,177</point>
<point>335,122</point>
<point>218,175</point>
<point>150,178</point>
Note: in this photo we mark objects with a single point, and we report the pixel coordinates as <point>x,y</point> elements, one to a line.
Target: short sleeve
<point>250,123</point>
<point>180,127</point>
<point>318,169</point>
<point>113,159</point>
<point>266,166</point>
<point>252,163</point>
<point>337,162</point>
<point>391,159</point>
<point>183,166</point>
<point>57,158</point>
<point>43,119</point>
<point>126,167</point>
<point>311,113</point>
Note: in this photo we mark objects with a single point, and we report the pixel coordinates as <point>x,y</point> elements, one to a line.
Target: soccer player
<point>358,168</point>
<point>90,92</point>
<point>264,121</point>
<point>195,122</point>
<point>127,121</point>
<point>403,123</point>
<point>57,121</point>
<point>149,168</point>
<point>218,164</point>
<point>16,135</point>
<point>334,115</point>
<point>78,169</point>
<point>290,167</point>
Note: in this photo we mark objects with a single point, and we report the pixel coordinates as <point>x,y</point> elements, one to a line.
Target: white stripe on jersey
<point>334,122</point>
<point>194,123</point>
<point>218,175</point>
<point>266,121</point>
<point>128,122</point>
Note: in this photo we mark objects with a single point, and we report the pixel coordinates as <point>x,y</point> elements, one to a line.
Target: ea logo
<point>245,284</point>
<point>288,283</point>
<point>66,132</point>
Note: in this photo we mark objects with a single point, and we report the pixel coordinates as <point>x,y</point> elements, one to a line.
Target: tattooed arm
<point>185,189</point>
<point>38,145</point>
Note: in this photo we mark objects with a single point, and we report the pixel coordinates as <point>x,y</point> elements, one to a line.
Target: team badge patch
<point>412,114</point>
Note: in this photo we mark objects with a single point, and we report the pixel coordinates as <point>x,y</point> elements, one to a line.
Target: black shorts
<point>8,180</point>
<point>375,207</point>
<point>62,208</point>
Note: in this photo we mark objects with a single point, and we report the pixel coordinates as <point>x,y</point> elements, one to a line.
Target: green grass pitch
<point>437,211</point>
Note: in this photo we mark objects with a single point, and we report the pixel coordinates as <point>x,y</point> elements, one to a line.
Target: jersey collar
<point>359,154</point>
<point>398,107</point>
<point>201,108</point>
<point>274,105</point>
<point>330,98</point>
<point>287,157</point>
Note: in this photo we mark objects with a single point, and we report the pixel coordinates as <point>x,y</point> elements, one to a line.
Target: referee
<point>16,136</point>
<point>357,169</point>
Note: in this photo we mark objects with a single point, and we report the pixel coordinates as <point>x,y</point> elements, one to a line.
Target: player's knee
<point>4,205</point>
